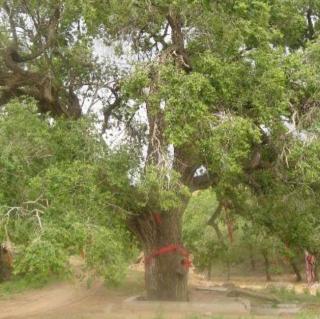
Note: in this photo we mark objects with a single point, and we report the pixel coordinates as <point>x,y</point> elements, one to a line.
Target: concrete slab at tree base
<point>218,306</point>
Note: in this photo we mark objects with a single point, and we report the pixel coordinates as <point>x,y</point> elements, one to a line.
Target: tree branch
<point>13,30</point>
<point>179,51</point>
<point>311,30</point>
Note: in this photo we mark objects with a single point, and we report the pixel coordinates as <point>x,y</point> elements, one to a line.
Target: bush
<point>106,255</point>
<point>41,260</point>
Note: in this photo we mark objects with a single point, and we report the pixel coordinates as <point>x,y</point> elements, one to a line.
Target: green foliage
<point>247,110</point>
<point>52,197</point>
<point>231,86</point>
<point>209,246</point>
<point>210,242</point>
<point>19,284</point>
<point>41,259</point>
<point>161,190</point>
<point>187,99</point>
<point>107,254</point>
<point>228,148</point>
<point>198,236</point>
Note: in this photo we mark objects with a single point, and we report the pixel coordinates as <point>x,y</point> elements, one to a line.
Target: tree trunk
<point>209,270</point>
<point>6,262</point>
<point>228,269</point>
<point>166,261</point>
<point>295,269</point>
<point>316,272</point>
<point>316,268</point>
<point>252,260</point>
<point>266,265</point>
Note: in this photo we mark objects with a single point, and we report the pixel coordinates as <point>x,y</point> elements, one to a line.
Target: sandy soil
<point>75,300</point>
<point>61,301</point>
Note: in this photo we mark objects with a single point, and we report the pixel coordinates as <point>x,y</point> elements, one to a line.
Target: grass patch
<point>307,316</point>
<point>20,284</point>
<point>289,295</point>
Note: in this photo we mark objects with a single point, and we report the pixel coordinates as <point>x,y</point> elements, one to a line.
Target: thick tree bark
<point>166,266</point>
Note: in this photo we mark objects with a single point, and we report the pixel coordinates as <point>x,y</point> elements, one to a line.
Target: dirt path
<point>62,301</point>
<point>56,300</point>
<point>67,300</point>
<point>76,301</point>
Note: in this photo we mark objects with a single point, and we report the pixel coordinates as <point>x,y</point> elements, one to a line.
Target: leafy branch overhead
<point>115,112</point>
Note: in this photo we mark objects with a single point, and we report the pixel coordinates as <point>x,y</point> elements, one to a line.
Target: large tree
<point>219,85</point>
<point>208,101</point>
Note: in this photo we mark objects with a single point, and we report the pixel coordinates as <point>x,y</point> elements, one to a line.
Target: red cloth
<point>310,268</point>
<point>168,249</point>
<point>157,218</point>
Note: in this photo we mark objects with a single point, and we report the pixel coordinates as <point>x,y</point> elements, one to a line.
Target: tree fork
<point>56,100</point>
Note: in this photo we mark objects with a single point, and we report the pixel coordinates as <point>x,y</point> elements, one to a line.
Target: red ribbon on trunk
<point>157,218</point>
<point>186,262</point>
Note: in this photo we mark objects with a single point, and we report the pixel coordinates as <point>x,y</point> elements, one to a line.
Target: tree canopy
<point>221,94</point>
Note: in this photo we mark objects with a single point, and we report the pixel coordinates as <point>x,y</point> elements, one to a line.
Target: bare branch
<point>311,31</point>
<point>12,23</point>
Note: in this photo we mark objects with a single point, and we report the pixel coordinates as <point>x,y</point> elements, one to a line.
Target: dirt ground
<point>76,300</point>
